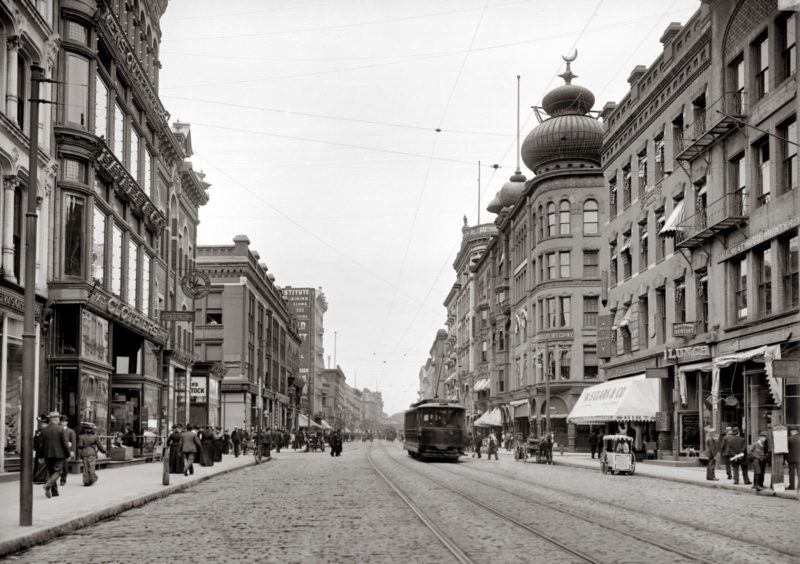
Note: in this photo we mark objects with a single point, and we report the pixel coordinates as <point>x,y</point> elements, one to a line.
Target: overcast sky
<point>316,124</point>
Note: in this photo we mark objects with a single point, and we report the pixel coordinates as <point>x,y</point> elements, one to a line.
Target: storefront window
<point>100,108</point>
<point>12,357</point>
<point>77,89</point>
<point>73,235</point>
<point>98,246</point>
<point>94,392</point>
<point>116,260</point>
<point>134,166</point>
<point>150,408</point>
<point>133,261</point>
<point>65,392</point>
<point>94,335</point>
<point>67,329</point>
<point>792,401</point>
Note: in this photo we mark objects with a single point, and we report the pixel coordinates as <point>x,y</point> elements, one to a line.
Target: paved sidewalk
<point>686,474</point>
<point>116,490</point>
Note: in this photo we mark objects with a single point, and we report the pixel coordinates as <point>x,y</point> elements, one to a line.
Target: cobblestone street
<point>313,508</point>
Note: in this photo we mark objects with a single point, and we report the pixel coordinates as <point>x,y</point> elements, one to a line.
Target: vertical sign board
<point>198,389</point>
<point>603,336</point>
<point>690,430</point>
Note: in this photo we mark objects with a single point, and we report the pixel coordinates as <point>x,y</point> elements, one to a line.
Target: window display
<point>94,395</point>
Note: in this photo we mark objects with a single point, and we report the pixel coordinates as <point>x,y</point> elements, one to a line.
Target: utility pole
<point>547,386</point>
<point>29,329</point>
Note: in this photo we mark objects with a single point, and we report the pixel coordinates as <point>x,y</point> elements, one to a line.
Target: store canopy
<point>302,421</point>
<point>491,418</point>
<point>671,226</point>
<point>482,384</point>
<point>324,425</point>
<point>519,408</point>
<point>765,354</point>
<point>635,398</point>
<point>346,430</point>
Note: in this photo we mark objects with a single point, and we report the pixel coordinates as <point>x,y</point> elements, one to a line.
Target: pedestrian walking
<point>712,449</point>
<point>174,442</point>
<point>547,447</point>
<point>793,458</point>
<point>264,440</point>
<point>207,444</point>
<point>40,474</point>
<point>758,458</point>
<point>55,447</point>
<point>88,447</point>
<point>217,434</point>
<point>478,444</point>
<point>738,448</point>
<point>594,440</point>
<point>236,439</point>
<point>245,441</point>
<point>725,451</point>
<point>493,447</point>
<point>73,444</point>
<point>190,447</point>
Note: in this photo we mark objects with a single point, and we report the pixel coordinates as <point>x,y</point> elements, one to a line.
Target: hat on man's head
<point>54,415</point>
<point>88,425</point>
<point>735,430</point>
<point>64,418</point>
<point>763,434</point>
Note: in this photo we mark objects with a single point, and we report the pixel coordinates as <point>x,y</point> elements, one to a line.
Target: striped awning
<point>672,223</point>
<point>482,384</point>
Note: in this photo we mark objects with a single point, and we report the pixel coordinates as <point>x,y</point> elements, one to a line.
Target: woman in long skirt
<point>217,445</point>
<point>207,442</point>
<point>175,454</point>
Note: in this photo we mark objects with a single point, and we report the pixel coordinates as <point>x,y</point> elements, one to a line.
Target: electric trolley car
<point>434,428</point>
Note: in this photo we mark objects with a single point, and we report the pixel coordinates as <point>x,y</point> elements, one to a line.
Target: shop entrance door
<point>65,393</point>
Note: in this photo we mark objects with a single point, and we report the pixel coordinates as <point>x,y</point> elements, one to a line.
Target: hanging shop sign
<point>758,238</point>
<point>785,367</point>
<point>543,336</point>
<point>604,336</point>
<point>177,316</point>
<point>688,329</point>
<point>129,316</point>
<point>663,421</point>
<point>197,391</point>
<point>685,353</point>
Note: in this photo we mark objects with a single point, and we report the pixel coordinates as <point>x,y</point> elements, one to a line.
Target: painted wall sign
<point>129,316</point>
<point>758,238</point>
<point>688,329</point>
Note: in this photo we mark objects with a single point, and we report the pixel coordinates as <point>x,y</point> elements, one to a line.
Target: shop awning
<point>302,421</point>
<point>682,370</point>
<point>671,226</point>
<point>482,384</point>
<point>765,354</point>
<point>324,424</point>
<point>635,398</point>
<point>491,418</point>
<point>346,430</point>
<point>520,408</point>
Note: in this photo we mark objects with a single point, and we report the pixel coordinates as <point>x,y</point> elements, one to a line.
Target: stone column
<point>9,184</point>
<point>12,48</point>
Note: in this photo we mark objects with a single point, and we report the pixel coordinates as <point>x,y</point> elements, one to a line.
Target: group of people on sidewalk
<point>55,444</point>
<point>205,445</point>
<point>737,456</point>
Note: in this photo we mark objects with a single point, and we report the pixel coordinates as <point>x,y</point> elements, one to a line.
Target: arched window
<point>563,217</point>
<point>551,219</point>
<point>590,220</point>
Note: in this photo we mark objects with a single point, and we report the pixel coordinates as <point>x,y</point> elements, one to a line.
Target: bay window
<point>73,235</point>
<point>100,108</point>
<point>119,131</point>
<point>133,263</point>
<point>146,265</point>
<point>77,104</point>
<point>99,246</point>
<point>116,260</point>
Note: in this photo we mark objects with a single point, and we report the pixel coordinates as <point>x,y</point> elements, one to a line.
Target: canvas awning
<point>490,418</point>
<point>302,421</point>
<point>482,384</point>
<point>324,424</point>
<point>765,354</point>
<point>635,398</point>
<point>520,408</point>
<point>671,226</point>
<point>683,369</point>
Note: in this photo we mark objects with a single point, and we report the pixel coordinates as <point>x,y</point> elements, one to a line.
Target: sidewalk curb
<point>45,535</point>
<point>770,493</point>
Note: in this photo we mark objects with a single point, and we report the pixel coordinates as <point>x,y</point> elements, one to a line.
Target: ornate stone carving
<point>13,42</point>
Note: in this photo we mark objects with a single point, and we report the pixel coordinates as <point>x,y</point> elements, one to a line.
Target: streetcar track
<point>506,517</point>
<point>448,543</point>
<point>667,518</point>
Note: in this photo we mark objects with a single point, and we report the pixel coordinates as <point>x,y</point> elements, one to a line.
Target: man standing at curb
<point>712,448</point>
<point>793,458</point>
<point>190,446</point>
<point>72,439</point>
<point>738,448</point>
<point>55,448</point>
<point>726,451</point>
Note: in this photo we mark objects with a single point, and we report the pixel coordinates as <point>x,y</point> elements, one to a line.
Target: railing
<point>721,213</point>
<point>733,104</point>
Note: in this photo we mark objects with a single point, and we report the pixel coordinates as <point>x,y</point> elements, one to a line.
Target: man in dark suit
<point>712,448</point>
<point>73,443</point>
<point>55,448</point>
<point>737,445</point>
<point>793,458</point>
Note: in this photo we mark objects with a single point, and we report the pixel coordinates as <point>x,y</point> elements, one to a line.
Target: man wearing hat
<point>88,446</point>
<point>55,448</point>
<point>737,447</point>
<point>72,439</point>
<point>758,455</point>
<point>793,457</point>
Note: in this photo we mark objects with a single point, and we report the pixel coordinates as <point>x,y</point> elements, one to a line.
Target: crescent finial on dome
<point>571,57</point>
<point>567,75</point>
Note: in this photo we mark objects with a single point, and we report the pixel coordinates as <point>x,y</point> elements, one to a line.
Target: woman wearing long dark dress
<point>217,445</point>
<point>226,442</point>
<point>175,454</point>
<point>207,442</point>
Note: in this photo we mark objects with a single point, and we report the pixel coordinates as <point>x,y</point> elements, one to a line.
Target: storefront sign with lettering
<point>682,353</point>
<point>129,316</point>
<point>758,238</point>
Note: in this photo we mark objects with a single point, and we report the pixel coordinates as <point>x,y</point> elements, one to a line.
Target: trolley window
<point>442,417</point>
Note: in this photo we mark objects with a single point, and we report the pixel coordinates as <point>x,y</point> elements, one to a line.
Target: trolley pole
<point>29,374</point>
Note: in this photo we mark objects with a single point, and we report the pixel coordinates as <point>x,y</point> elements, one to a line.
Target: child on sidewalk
<point>88,445</point>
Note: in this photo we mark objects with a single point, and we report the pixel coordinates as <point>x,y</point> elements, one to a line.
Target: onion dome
<point>494,206</point>
<point>512,190</point>
<point>569,137</point>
